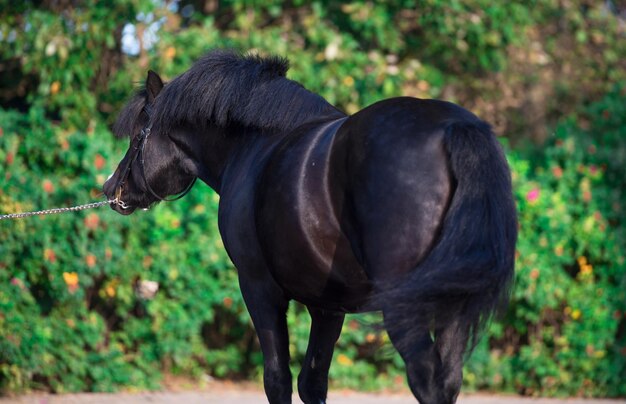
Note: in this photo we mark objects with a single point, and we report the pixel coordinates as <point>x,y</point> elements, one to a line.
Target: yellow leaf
<point>55,87</point>
<point>70,278</point>
<point>344,360</point>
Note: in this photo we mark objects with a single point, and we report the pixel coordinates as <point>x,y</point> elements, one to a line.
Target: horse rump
<point>467,275</point>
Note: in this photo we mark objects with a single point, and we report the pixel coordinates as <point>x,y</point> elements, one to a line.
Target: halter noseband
<point>138,144</point>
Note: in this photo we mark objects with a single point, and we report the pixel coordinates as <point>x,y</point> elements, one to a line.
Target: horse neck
<point>213,149</point>
<point>204,150</point>
<point>208,151</point>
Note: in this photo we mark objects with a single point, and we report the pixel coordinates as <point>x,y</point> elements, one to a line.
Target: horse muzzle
<point>114,193</point>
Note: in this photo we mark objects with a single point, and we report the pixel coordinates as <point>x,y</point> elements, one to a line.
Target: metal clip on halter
<point>118,199</point>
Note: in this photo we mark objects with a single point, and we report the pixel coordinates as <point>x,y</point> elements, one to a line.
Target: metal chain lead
<point>62,210</point>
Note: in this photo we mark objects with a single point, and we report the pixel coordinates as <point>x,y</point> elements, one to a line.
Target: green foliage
<point>67,55</point>
<point>73,317</point>
<point>564,333</point>
<point>76,312</point>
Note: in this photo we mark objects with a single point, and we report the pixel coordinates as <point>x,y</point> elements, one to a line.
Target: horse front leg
<point>267,306</point>
<point>313,378</point>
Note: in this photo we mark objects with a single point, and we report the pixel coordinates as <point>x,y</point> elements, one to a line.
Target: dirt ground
<point>228,393</point>
<point>247,397</point>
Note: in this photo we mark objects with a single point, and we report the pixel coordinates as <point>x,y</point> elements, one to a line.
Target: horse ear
<point>154,84</point>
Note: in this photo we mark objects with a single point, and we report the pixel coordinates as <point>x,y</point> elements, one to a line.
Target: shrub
<point>72,316</point>
<point>564,332</point>
<point>76,310</point>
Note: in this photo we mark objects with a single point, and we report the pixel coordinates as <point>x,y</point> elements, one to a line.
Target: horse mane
<point>127,119</point>
<point>225,87</point>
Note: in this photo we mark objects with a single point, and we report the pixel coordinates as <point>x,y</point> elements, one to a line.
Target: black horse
<point>404,207</point>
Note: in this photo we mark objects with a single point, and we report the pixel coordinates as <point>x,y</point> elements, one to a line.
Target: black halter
<point>137,150</point>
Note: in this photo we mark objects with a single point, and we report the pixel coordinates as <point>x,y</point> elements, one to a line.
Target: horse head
<point>151,168</point>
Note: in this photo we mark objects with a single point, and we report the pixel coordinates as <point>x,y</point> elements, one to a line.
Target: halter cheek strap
<point>134,152</point>
<point>145,180</point>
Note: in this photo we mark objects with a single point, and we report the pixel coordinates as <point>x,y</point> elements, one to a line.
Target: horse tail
<point>467,275</point>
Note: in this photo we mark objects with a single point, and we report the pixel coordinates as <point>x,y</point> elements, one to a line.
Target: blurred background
<point>93,301</point>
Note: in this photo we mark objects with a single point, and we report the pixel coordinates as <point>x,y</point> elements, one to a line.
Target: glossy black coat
<point>403,207</point>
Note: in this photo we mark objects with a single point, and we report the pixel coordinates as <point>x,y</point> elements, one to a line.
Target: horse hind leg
<point>434,367</point>
<point>422,363</point>
<point>313,378</point>
<point>451,344</point>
